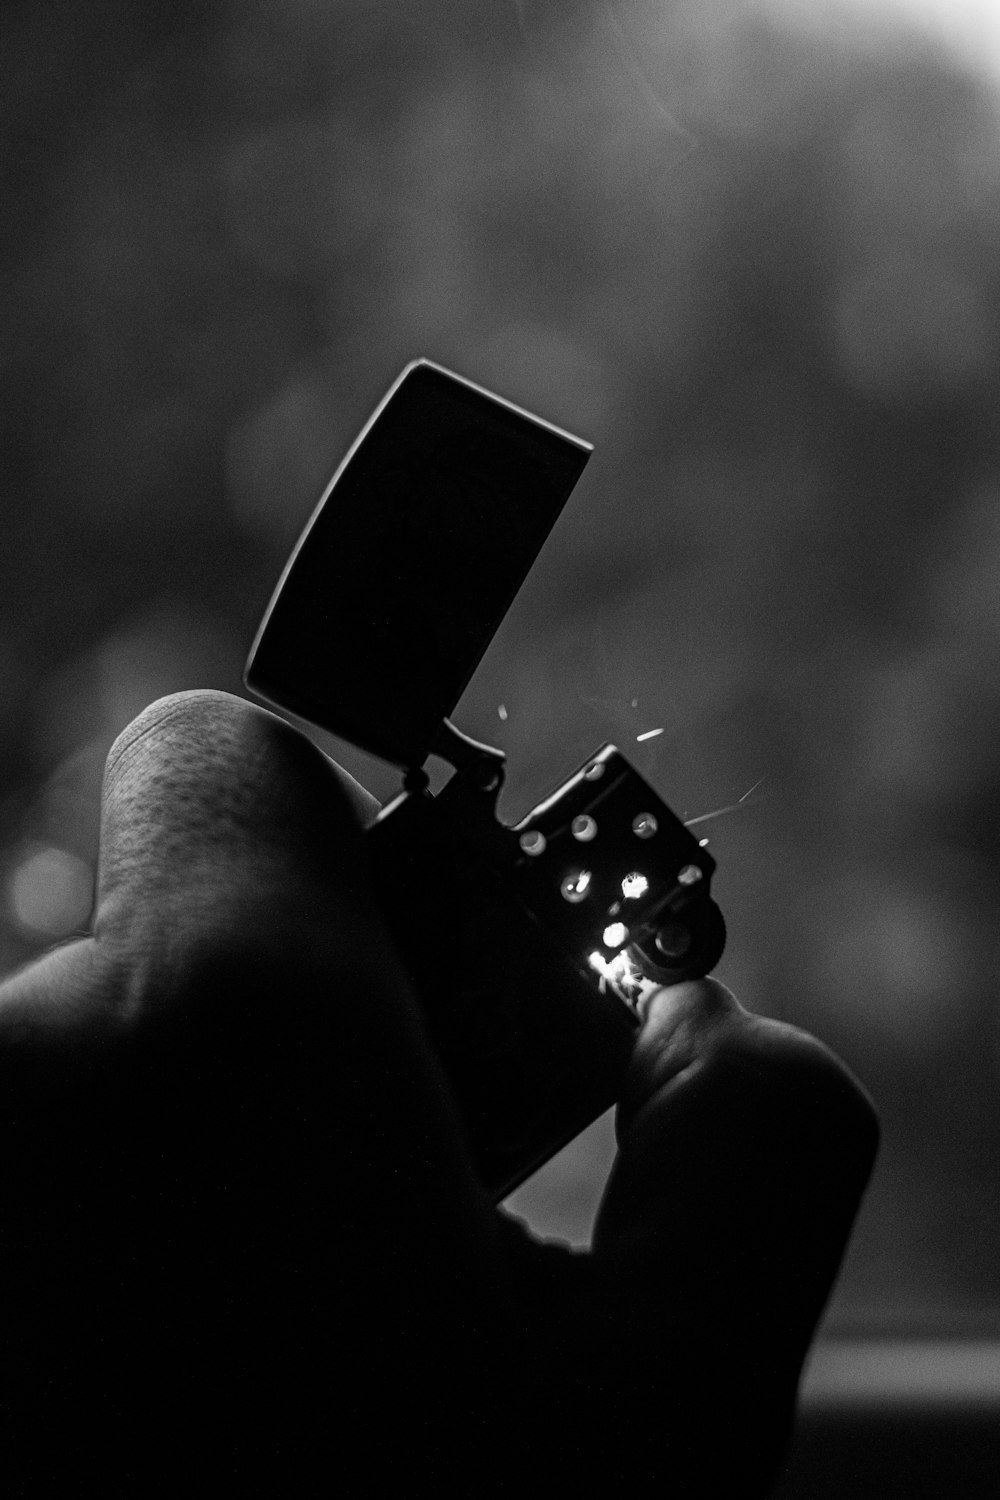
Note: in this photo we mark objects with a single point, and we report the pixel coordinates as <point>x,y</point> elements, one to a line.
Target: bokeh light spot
<point>50,893</point>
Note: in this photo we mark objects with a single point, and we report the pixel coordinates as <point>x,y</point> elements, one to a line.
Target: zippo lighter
<point>529,947</point>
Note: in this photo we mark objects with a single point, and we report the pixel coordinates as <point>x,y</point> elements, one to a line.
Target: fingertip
<point>693,1000</point>
<point>679,1020</point>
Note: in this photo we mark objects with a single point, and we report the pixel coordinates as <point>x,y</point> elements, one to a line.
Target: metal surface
<point>410,562</point>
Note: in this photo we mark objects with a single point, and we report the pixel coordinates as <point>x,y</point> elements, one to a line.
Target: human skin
<point>240,1234</point>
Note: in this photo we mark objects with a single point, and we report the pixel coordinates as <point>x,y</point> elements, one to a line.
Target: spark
<point>615,934</point>
<point>651,734</point>
<point>715,813</point>
<point>731,807</point>
<point>634,886</point>
<point>502,711</point>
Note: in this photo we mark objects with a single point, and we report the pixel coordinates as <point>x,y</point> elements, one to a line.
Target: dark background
<point>753,253</point>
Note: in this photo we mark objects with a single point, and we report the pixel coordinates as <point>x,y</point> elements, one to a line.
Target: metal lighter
<point>529,947</point>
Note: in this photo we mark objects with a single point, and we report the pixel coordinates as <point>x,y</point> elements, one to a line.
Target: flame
<point>623,976</point>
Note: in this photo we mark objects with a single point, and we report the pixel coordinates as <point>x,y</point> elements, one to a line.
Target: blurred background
<point>751,251</point>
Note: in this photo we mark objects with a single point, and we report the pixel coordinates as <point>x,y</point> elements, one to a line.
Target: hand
<point>241,1237</point>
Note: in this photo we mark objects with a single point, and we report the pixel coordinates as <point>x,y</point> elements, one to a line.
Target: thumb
<point>746,1146</point>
